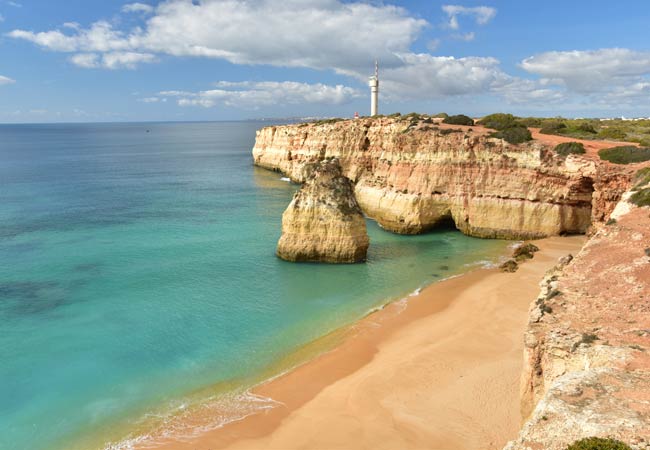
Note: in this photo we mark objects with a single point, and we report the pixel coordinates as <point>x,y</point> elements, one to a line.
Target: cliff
<point>586,363</point>
<point>323,222</point>
<point>410,175</point>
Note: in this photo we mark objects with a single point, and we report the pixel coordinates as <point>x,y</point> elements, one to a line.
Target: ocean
<point>138,280</point>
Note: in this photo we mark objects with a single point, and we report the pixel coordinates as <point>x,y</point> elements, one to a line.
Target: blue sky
<point>109,60</point>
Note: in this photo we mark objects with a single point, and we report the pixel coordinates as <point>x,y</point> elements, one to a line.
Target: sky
<point>180,60</point>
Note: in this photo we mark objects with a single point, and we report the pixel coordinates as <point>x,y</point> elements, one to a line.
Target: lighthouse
<point>373,82</point>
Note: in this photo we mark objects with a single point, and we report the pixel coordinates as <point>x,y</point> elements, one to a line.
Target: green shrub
<point>612,133</point>
<point>441,115</point>
<point>595,443</point>
<point>569,148</point>
<point>642,177</point>
<point>500,121</point>
<point>553,127</point>
<point>394,115</point>
<point>586,127</point>
<point>516,135</point>
<point>641,197</point>
<point>626,154</point>
<point>459,119</point>
<point>530,122</point>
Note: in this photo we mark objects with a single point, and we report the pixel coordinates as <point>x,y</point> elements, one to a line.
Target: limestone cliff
<point>411,175</point>
<point>586,362</point>
<point>323,222</point>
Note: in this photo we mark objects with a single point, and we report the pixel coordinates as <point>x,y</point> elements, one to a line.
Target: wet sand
<point>438,372</point>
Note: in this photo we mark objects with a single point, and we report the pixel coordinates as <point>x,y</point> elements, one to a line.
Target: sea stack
<point>323,222</point>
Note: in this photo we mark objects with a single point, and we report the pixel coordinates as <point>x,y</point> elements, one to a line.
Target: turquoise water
<point>137,267</point>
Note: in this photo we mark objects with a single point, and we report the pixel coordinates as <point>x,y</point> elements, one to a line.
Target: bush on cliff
<point>626,154</point>
<point>569,148</point>
<point>552,127</point>
<point>500,121</point>
<point>516,135</point>
<point>596,443</point>
<point>641,194</point>
<point>530,122</point>
<point>642,177</point>
<point>612,133</point>
<point>459,119</point>
<point>641,197</point>
<point>586,127</point>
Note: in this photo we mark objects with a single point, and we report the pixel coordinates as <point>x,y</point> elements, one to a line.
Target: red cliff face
<point>586,362</point>
<point>410,176</point>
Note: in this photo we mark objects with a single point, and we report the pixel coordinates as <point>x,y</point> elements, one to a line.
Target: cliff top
<point>422,123</point>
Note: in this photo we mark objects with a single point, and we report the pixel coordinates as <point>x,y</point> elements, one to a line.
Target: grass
<point>569,148</point>
<point>596,443</point>
<point>626,154</point>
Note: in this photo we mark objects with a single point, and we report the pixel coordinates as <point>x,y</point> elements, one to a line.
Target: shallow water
<point>137,269</point>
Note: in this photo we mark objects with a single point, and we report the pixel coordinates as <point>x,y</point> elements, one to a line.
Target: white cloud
<point>591,71</point>
<point>481,14</point>
<point>137,8</point>
<point>111,60</point>
<point>252,95</point>
<point>6,80</point>
<point>423,76</point>
<point>522,91</point>
<point>327,33</point>
<point>14,4</point>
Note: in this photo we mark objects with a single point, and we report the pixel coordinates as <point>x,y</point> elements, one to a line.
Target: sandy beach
<point>438,372</point>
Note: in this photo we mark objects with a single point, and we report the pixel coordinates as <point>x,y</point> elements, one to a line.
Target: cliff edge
<point>586,362</point>
<point>410,175</point>
<point>323,222</point>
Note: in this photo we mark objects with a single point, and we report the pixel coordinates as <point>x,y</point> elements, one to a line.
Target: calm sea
<point>138,278</point>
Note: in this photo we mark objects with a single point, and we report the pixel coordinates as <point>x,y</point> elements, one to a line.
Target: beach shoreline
<point>440,370</point>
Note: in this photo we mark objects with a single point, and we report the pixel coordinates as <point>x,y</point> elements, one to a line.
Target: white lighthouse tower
<point>373,82</point>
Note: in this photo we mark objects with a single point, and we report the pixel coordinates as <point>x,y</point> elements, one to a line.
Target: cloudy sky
<point>110,60</point>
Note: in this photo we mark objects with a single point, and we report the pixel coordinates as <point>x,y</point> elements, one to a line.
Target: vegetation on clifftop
<point>569,148</point>
<point>459,119</point>
<point>508,128</point>
<point>626,154</point>
<point>596,443</point>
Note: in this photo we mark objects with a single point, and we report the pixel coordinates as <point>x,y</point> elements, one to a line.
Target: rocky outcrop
<point>410,176</point>
<point>586,361</point>
<point>323,222</point>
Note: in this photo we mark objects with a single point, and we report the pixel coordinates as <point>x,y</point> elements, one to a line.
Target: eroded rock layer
<point>586,362</point>
<point>323,222</point>
<point>410,176</point>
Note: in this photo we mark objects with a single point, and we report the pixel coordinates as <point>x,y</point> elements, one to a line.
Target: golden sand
<point>440,372</point>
